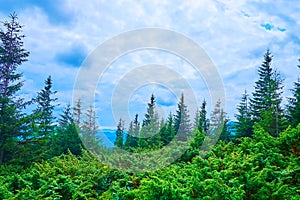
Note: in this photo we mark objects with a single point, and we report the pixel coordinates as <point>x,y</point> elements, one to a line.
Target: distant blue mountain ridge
<point>107,137</point>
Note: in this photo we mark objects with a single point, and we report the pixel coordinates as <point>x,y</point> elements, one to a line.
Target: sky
<point>62,36</point>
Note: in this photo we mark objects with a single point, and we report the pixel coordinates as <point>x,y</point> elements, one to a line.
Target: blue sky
<point>235,34</point>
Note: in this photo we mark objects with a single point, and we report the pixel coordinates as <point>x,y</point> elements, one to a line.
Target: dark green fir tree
<point>43,127</point>
<point>12,56</point>
<point>120,134</point>
<point>132,134</point>
<point>167,131</point>
<point>150,125</point>
<point>182,124</point>
<point>203,122</point>
<point>266,102</point>
<point>46,104</point>
<point>244,125</point>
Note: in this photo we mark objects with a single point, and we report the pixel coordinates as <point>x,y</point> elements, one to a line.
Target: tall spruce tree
<point>263,88</point>
<point>244,124</point>
<point>150,125</point>
<point>267,97</point>
<point>45,106</point>
<point>42,124</point>
<point>293,107</point>
<point>182,124</point>
<point>12,56</point>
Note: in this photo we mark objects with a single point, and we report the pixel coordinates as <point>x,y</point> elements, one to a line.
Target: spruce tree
<point>66,117</point>
<point>167,132</point>
<point>150,125</point>
<point>43,129</point>
<point>120,134</point>
<point>218,123</point>
<point>156,140</point>
<point>12,56</point>
<point>129,137</point>
<point>244,124</point>
<point>216,118</point>
<point>90,122</point>
<point>225,134</point>
<point>149,116</point>
<point>89,129</point>
<point>77,113</point>
<point>203,123</point>
<point>45,106</point>
<point>263,89</point>
<point>267,97</point>
<point>182,124</point>
<point>133,134</point>
<point>293,107</point>
<point>67,137</point>
<point>136,127</point>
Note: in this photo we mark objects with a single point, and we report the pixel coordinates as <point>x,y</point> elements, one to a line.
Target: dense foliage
<point>260,168</point>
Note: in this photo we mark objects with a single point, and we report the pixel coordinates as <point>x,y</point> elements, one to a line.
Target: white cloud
<point>229,31</point>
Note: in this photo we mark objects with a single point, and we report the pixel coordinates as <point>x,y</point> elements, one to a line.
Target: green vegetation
<point>42,157</point>
<point>262,167</point>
